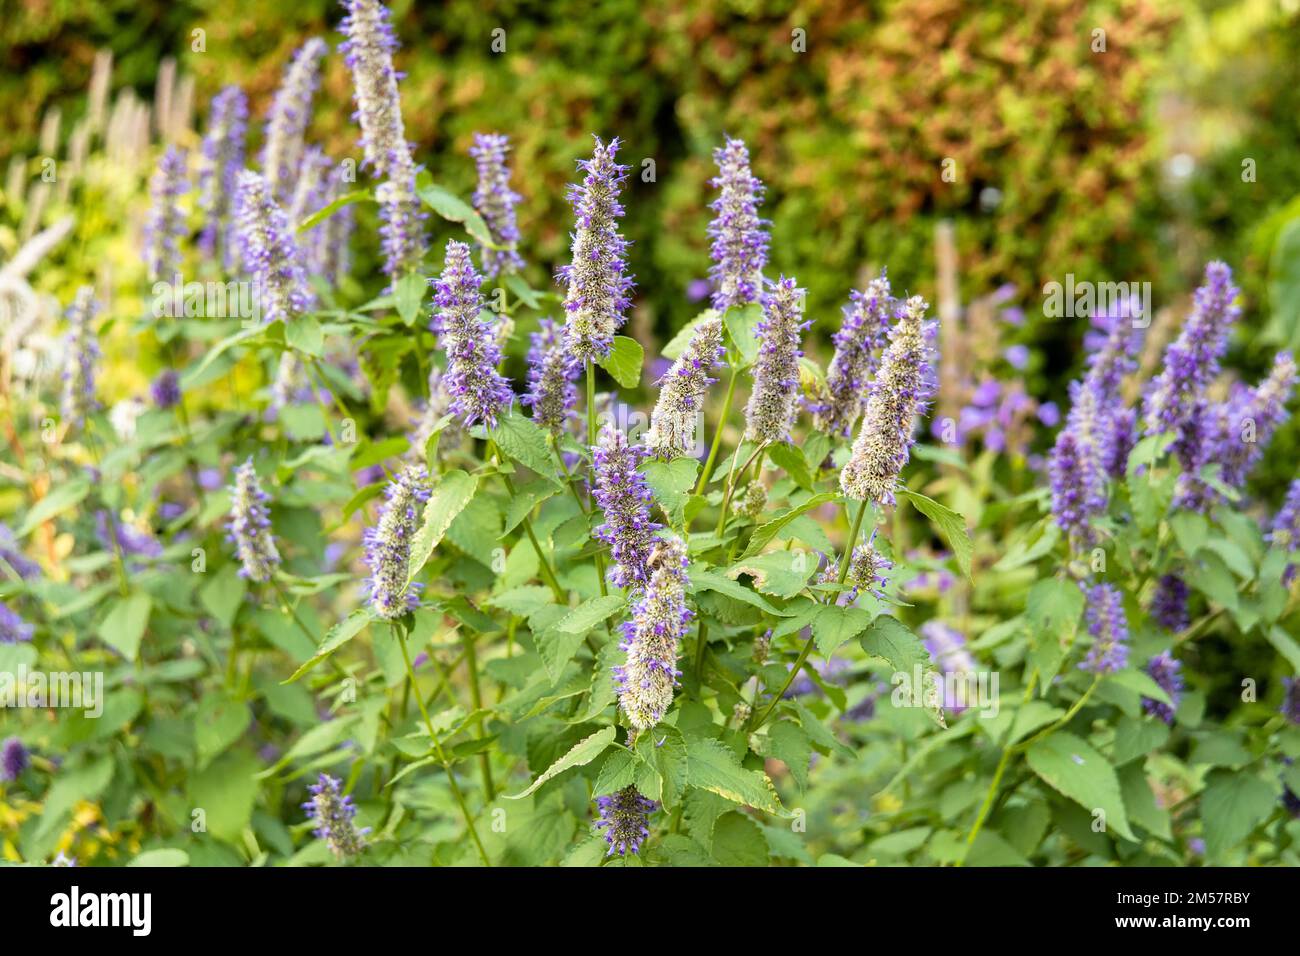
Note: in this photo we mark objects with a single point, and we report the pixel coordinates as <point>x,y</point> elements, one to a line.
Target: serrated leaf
<point>711,766</point>
<point>742,323</point>
<point>835,625</point>
<point>448,499</point>
<point>671,482</point>
<point>790,745</point>
<point>782,574</point>
<point>705,580</point>
<point>590,613</point>
<point>304,333</point>
<point>624,361</point>
<point>791,458</point>
<point>454,209</point>
<point>581,754</point>
<point>1071,767</point>
<point>523,600</point>
<point>1233,804</point>
<point>765,533</point>
<point>950,524</point>
<point>521,439</point>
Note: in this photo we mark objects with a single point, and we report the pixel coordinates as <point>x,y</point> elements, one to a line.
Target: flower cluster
<point>622,494</point>
<point>250,526</point>
<point>334,814</point>
<point>597,288</point>
<point>1108,627</point>
<point>1164,669</point>
<point>739,236</point>
<point>166,389</point>
<point>1169,603</point>
<point>552,392</point>
<point>388,544</point>
<point>659,621</point>
<point>368,52</point>
<point>223,158</point>
<point>479,393</point>
<point>166,224</point>
<point>681,393</point>
<point>13,759</point>
<point>81,354</point>
<point>623,817</point>
<point>13,629</point>
<point>270,252</point>
<point>898,394</point>
<point>495,202</point>
<point>860,338</point>
<point>287,121</point>
<point>772,408</point>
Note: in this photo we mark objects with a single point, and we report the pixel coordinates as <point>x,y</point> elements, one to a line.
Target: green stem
<point>852,543</point>
<point>731,485</point>
<point>717,433</point>
<point>441,755</point>
<point>548,574</point>
<point>476,696</point>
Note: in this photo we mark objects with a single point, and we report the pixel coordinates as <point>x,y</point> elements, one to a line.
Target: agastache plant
<point>1108,627</point>
<point>495,201</point>
<point>681,393</point>
<point>597,288</point>
<point>739,236</point>
<point>899,393</point>
<point>388,544</point>
<point>223,157</point>
<point>250,526</point>
<point>166,225</point>
<point>552,371</point>
<point>623,816</point>
<point>773,405</point>
<point>287,121</point>
<point>368,52</point>
<point>622,494</point>
<point>651,637</point>
<point>479,393</point>
<point>861,336</point>
<point>270,252</point>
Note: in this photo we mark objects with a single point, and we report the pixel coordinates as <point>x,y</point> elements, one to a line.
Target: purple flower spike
<point>13,759</point>
<point>223,158</point>
<point>860,338</point>
<point>624,497</point>
<point>597,290</point>
<point>479,392</point>
<point>13,629</point>
<point>287,121</point>
<point>552,392</point>
<point>334,814</point>
<point>81,354</point>
<point>651,638</point>
<point>368,52</point>
<point>388,544</point>
<point>495,202</point>
<point>11,555</point>
<point>900,392</point>
<point>166,225</point>
<point>1169,603</point>
<point>623,818</point>
<point>1109,629</point>
<point>681,393</point>
<point>773,405</point>
<point>1192,360</point>
<point>1164,669</point>
<point>250,526</point>
<point>270,252</point>
<point>166,389</point>
<point>739,236</point>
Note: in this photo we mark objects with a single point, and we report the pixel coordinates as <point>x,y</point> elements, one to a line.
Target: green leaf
<point>219,722</point>
<point>738,841</point>
<point>891,640</point>
<point>671,482</point>
<point>834,625</point>
<point>590,613</point>
<point>581,754</point>
<point>453,492</point>
<point>1071,767</point>
<point>305,334</point>
<point>224,594</point>
<point>711,766</point>
<point>454,209</point>
<point>408,293</point>
<point>677,344</point>
<point>705,580</point>
<point>125,623</point>
<point>320,215</point>
<point>791,458</point>
<point>523,600</point>
<point>790,745</point>
<point>193,375</point>
<point>1142,683</point>
<point>521,439</point>
<point>225,792</point>
<point>765,533</point>
<point>338,635</point>
<point>624,361</point>
<point>782,574</point>
<point>950,523</point>
<point>742,323</point>
<point>163,856</point>
<point>60,499</point>
<point>1233,804</point>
